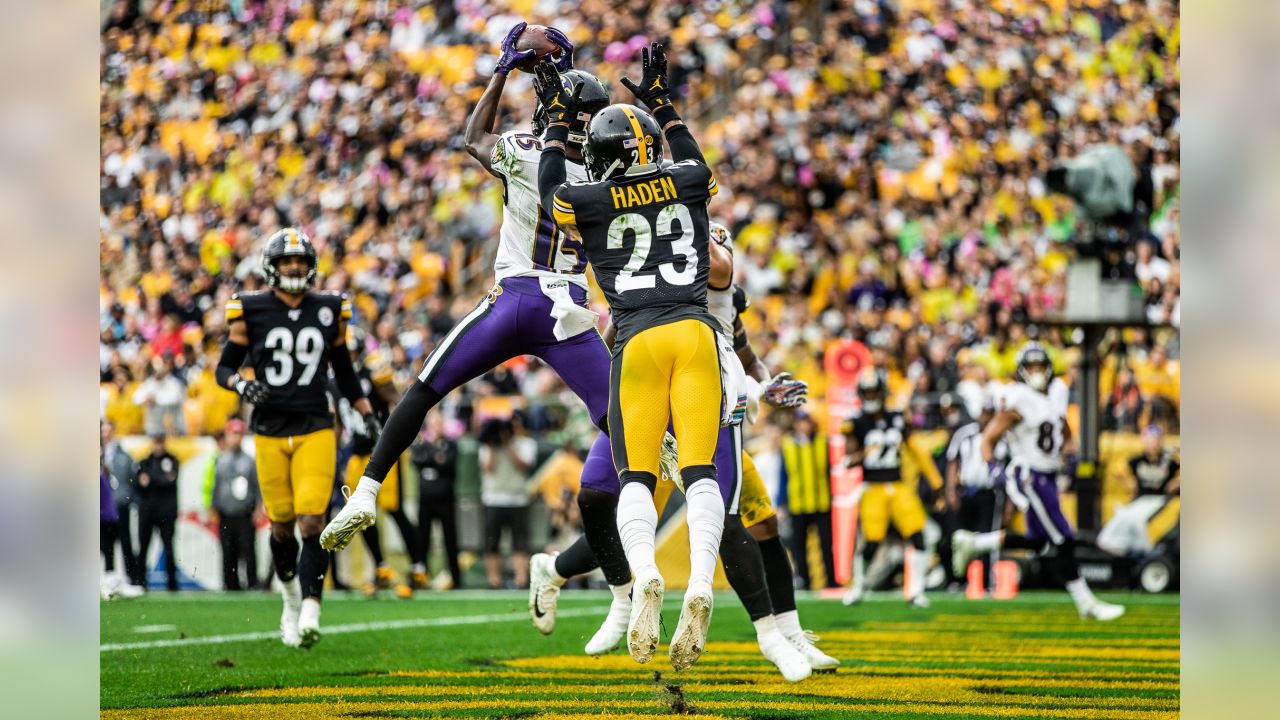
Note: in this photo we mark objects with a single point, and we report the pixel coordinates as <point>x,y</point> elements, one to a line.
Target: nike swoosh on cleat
<point>537,610</point>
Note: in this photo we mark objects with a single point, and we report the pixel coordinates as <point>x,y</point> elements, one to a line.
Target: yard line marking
<point>154,628</point>
<point>341,629</point>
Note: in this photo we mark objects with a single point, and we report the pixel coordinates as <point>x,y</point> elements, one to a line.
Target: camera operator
<point>506,461</point>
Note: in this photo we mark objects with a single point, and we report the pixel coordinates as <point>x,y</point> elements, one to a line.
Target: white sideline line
<point>342,629</point>
<point>144,629</point>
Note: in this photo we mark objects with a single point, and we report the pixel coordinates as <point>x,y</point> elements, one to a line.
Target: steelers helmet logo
<point>326,316</point>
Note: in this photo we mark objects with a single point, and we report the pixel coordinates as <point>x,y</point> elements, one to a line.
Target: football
<point>535,38</point>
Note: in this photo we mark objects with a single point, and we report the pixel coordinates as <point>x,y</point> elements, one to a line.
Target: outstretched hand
<point>654,89</point>
<point>553,95</point>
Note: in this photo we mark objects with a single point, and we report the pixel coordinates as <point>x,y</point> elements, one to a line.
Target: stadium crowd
<point>882,166</point>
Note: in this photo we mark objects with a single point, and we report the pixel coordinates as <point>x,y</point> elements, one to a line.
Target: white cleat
<point>818,660</point>
<point>1104,611</point>
<point>292,594</point>
<point>359,513</point>
<point>646,617</point>
<point>919,602</point>
<point>962,551</point>
<point>853,595</point>
<point>690,637</point>
<point>609,636</point>
<point>543,592</point>
<point>785,655</point>
<point>309,623</point>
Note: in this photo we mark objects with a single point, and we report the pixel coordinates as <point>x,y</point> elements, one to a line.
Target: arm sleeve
<point>345,375</point>
<point>233,355</point>
<point>551,171</point>
<point>683,145</point>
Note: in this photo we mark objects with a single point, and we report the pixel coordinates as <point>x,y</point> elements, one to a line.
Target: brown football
<point>535,38</point>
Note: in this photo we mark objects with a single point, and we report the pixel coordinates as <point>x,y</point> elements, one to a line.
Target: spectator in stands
<point>506,461</point>
<point>1126,405</point>
<point>162,394</point>
<point>1157,485</point>
<point>158,505</point>
<point>805,488</point>
<point>237,503</point>
<point>435,456</point>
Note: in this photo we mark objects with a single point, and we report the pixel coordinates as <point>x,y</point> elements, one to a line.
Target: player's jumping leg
<point>482,340</point>
<point>312,470</point>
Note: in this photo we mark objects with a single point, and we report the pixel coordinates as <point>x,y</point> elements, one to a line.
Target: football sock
<point>778,575</point>
<point>1014,541</point>
<point>987,541</point>
<point>744,568</point>
<point>1067,566</point>
<point>622,592</point>
<point>1080,592</point>
<point>311,566</point>
<point>705,517</point>
<point>765,626</point>
<point>374,543</point>
<point>869,550</point>
<point>789,623</point>
<point>919,564</point>
<point>637,526</point>
<point>599,512</point>
<point>859,570</point>
<point>284,555</point>
<point>917,541</point>
<point>399,431</point>
<point>574,560</point>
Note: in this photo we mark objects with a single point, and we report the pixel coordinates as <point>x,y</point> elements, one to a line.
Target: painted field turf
<point>476,655</point>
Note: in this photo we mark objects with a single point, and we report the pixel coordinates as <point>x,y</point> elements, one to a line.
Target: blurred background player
<point>875,440</point>
<point>435,457</point>
<point>376,382</point>
<point>538,306</point>
<point>1032,412</point>
<point>112,584</point>
<point>972,497</point>
<point>291,336</point>
<point>236,500</point>
<point>666,362</point>
<point>122,473</point>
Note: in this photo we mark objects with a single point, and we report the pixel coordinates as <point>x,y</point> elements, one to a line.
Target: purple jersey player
<point>537,307</point>
<point>1032,412</point>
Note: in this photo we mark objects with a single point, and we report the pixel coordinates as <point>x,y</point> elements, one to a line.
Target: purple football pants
<point>1045,521</point>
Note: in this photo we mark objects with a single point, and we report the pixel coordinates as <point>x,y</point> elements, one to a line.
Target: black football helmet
<point>872,390</point>
<point>622,138</point>
<point>282,243</point>
<point>1033,354</point>
<point>594,98</point>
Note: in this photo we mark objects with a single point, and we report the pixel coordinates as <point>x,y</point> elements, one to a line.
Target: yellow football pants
<point>666,373</point>
<point>296,473</point>
<point>388,494</point>
<point>885,501</point>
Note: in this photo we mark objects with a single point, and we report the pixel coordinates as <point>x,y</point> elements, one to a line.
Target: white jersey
<point>720,303</point>
<point>1035,442</point>
<point>530,244</point>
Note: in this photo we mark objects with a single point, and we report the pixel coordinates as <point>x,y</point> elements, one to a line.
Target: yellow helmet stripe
<point>641,138</point>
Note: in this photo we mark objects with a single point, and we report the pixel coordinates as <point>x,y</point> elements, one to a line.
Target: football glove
<point>654,89</point>
<point>511,57</point>
<point>565,62</point>
<point>372,429</point>
<point>551,93</point>
<point>996,470</point>
<point>252,391</point>
<point>785,391</point>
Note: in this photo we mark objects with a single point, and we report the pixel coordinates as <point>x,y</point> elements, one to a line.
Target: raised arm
<point>478,137</point>
<point>654,91</point>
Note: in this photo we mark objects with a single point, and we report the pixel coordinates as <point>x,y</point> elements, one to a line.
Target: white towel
<point>571,318</point>
<point>733,381</point>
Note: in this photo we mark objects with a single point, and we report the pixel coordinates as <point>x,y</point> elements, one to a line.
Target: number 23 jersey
<point>289,351</point>
<point>646,236</point>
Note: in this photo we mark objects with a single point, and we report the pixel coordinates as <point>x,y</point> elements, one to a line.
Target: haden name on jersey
<point>662,189</point>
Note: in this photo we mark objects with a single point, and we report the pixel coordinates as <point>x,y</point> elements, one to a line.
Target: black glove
<point>654,89</point>
<point>551,93</point>
<point>372,428</point>
<point>252,391</point>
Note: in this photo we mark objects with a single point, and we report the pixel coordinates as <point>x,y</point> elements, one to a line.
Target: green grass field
<point>475,654</point>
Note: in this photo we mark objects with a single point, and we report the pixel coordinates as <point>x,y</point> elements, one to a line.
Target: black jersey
<point>1154,476</point>
<point>289,351</point>
<point>881,437</point>
<point>647,238</point>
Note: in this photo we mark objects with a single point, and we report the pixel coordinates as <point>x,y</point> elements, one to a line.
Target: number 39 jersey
<point>289,351</point>
<point>530,244</point>
<point>646,238</point>
<point>1035,443</point>
<point>881,437</point>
